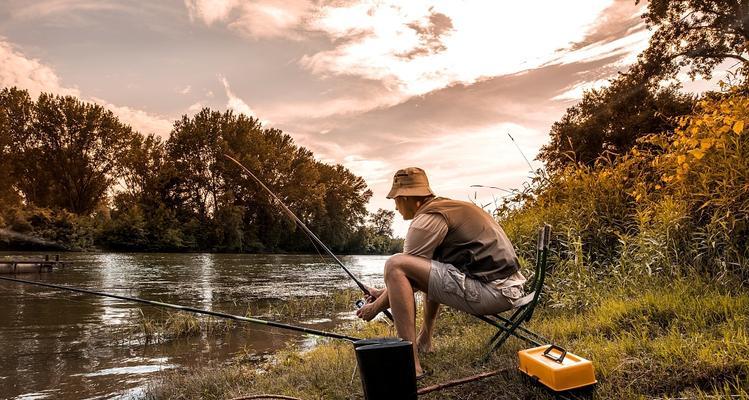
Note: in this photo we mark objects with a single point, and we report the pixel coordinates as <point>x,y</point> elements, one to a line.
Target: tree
<point>697,34</point>
<point>692,34</point>
<point>611,119</point>
<point>71,152</point>
<point>382,222</point>
<point>226,210</point>
<point>15,119</point>
<point>143,215</point>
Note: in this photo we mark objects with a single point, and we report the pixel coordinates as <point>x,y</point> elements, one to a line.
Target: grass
<point>678,339</point>
<point>294,309</point>
<point>176,325</point>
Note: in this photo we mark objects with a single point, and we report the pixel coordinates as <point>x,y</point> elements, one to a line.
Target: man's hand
<point>374,293</point>
<point>367,312</point>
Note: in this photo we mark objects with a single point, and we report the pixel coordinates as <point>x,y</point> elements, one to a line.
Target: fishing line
<point>191,309</point>
<point>309,233</point>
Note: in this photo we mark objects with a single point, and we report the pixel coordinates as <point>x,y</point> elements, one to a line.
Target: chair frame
<point>523,312</point>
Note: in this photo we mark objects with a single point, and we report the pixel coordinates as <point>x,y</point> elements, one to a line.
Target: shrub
<point>671,204</point>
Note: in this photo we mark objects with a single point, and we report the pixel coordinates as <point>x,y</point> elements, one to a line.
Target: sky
<point>373,85</point>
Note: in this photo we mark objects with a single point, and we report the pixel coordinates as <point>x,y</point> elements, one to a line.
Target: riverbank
<point>666,339</point>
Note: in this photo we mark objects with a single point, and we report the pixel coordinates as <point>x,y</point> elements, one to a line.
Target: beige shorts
<point>447,285</point>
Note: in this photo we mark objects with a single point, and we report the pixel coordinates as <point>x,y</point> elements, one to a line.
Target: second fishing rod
<point>309,233</point>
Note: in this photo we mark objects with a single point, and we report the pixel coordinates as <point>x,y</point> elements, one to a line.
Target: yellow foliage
<point>696,153</point>
<point>738,127</point>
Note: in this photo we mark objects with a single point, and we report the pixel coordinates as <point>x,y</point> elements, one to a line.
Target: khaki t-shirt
<point>427,231</point>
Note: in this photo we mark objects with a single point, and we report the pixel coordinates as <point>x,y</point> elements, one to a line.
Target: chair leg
<point>503,324</point>
<point>505,334</point>
<point>505,321</point>
<point>500,327</point>
<point>535,335</point>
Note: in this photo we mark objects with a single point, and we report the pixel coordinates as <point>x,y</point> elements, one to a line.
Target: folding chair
<point>524,307</point>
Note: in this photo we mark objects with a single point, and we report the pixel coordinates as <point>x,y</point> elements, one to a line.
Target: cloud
<point>195,107</point>
<point>413,48</point>
<point>457,133</point>
<point>210,11</point>
<point>576,91</point>
<point>28,73</point>
<point>235,103</point>
<point>38,9</point>
<point>272,19</point>
<point>420,47</point>
<point>258,19</point>
<point>139,120</point>
<point>373,170</point>
<point>185,90</point>
<point>31,74</point>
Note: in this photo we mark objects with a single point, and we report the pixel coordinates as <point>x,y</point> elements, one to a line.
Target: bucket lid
<point>371,341</point>
<point>383,346</point>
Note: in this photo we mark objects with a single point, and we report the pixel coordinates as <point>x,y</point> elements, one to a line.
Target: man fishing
<point>454,252</point>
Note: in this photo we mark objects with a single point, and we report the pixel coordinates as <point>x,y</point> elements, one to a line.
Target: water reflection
<point>68,345</point>
<point>205,280</point>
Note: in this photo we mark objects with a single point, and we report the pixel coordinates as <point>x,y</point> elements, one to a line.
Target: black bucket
<point>386,367</point>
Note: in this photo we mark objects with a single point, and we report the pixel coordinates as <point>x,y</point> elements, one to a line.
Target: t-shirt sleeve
<point>427,231</point>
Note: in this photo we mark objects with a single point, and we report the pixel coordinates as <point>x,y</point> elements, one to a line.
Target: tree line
<point>72,173</point>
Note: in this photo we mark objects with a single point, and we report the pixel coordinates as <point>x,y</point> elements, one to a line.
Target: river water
<point>58,344</point>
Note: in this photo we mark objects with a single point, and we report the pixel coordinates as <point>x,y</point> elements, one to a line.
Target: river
<point>58,344</point>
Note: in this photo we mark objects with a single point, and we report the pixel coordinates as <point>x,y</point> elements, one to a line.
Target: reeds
<point>176,325</point>
<point>313,306</point>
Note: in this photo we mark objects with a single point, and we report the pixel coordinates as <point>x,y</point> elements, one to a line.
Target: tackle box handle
<point>557,359</point>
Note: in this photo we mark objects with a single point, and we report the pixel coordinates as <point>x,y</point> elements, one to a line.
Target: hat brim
<point>405,191</point>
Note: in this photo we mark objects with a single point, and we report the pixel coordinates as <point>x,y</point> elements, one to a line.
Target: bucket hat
<point>411,181</point>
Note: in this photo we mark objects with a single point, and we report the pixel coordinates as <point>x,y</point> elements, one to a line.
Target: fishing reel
<point>361,302</point>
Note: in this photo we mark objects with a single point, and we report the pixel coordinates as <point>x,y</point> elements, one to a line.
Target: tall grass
<point>672,205</point>
<point>176,325</point>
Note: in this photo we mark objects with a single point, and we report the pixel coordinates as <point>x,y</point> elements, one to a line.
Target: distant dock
<point>26,266</point>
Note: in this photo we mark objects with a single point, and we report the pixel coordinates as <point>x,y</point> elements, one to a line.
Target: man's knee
<point>395,264</point>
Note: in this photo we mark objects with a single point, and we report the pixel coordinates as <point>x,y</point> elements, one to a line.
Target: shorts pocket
<point>473,290</point>
<point>512,292</point>
<point>452,281</point>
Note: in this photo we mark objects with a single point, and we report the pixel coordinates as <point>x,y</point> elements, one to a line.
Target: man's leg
<point>404,274</point>
<point>424,339</point>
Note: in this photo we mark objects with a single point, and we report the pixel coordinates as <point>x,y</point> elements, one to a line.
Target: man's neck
<point>421,204</point>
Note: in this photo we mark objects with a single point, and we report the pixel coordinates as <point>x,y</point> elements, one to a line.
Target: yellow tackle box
<point>557,369</point>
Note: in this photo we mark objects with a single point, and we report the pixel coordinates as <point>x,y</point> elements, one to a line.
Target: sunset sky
<point>374,85</point>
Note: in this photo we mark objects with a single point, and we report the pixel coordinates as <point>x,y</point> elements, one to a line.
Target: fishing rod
<point>189,309</point>
<point>306,230</point>
<point>521,151</point>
